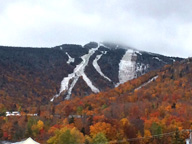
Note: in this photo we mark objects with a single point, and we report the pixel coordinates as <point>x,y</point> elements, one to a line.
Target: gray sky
<point>160,26</point>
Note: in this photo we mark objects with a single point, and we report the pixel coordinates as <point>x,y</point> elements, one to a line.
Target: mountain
<point>41,75</point>
<point>153,108</point>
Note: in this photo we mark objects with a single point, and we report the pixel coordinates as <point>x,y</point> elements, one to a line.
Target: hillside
<point>34,76</point>
<point>162,105</point>
<point>154,108</point>
<point>150,104</point>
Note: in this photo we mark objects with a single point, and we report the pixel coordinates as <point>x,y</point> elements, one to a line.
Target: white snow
<point>75,79</point>
<point>138,52</point>
<point>97,67</point>
<point>104,46</point>
<point>127,67</point>
<point>116,47</point>
<point>173,59</point>
<point>141,68</point>
<point>159,59</point>
<point>61,48</point>
<point>104,52</point>
<point>152,79</point>
<point>70,59</point>
<point>89,83</point>
<point>66,85</point>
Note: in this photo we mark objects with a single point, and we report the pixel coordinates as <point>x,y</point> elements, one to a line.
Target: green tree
<point>99,138</point>
<point>156,129</point>
<point>67,136</point>
<point>79,110</point>
<point>29,132</point>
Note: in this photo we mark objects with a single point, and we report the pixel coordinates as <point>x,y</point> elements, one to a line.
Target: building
<point>27,141</point>
<point>14,113</point>
<point>187,141</point>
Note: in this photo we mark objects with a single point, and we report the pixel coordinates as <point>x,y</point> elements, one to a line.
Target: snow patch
<point>75,79</point>
<point>138,52</point>
<point>89,83</point>
<point>70,59</point>
<point>104,46</point>
<point>159,59</point>
<point>141,69</point>
<point>61,48</point>
<point>104,52</point>
<point>154,78</point>
<point>173,59</point>
<point>127,67</point>
<point>67,85</point>
<point>97,67</point>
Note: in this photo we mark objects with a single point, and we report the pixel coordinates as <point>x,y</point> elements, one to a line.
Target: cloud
<point>158,26</point>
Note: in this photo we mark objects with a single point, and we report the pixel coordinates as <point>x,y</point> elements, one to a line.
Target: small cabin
<point>14,113</point>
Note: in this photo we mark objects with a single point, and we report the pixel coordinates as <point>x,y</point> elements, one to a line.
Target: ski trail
<point>127,67</point>
<point>68,83</point>
<point>89,83</point>
<point>97,67</point>
<point>70,59</point>
<point>152,79</point>
<point>71,87</point>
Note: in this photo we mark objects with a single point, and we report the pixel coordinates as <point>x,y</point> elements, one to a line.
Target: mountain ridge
<point>54,64</point>
<point>157,100</point>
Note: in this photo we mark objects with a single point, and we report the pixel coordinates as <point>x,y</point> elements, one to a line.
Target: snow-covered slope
<point>108,65</point>
<point>127,67</point>
<point>70,59</point>
<point>71,70</point>
<point>78,71</point>
<point>97,67</point>
<point>148,82</point>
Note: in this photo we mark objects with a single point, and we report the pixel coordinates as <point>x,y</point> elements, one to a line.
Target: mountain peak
<point>113,45</point>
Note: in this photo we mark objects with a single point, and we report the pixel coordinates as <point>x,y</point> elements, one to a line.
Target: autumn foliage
<point>124,114</point>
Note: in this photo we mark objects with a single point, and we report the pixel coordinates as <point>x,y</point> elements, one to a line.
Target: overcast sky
<point>160,26</point>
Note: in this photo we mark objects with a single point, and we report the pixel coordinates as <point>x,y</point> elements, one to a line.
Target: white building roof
<point>27,141</point>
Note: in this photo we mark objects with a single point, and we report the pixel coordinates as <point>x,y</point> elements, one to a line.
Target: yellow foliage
<point>124,121</point>
<point>72,134</point>
<point>65,122</point>
<point>147,133</point>
<point>105,128</point>
<point>40,125</point>
<point>139,135</point>
<point>88,139</point>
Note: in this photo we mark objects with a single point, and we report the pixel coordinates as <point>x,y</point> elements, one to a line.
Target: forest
<point>157,113</point>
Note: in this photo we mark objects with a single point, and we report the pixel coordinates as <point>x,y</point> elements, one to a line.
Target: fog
<point>163,26</point>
